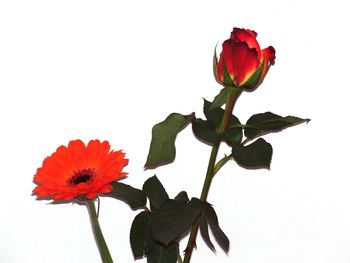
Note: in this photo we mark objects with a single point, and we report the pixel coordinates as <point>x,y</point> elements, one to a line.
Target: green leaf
<point>166,226</point>
<point>263,123</point>
<point>174,218</point>
<point>219,99</point>
<point>203,227</point>
<point>155,192</point>
<point>182,196</point>
<point>234,134</point>
<point>162,254</point>
<point>209,214</point>
<point>135,198</point>
<point>205,131</point>
<point>213,115</point>
<point>221,163</point>
<point>253,156</point>
<point>140,238</point>
<point>162,149</point>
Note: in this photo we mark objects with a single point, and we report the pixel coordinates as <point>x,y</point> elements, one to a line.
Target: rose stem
<point>230,102</point>
<point>101,243</point>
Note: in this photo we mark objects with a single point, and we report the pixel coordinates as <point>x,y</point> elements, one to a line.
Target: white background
<point>112,69</point>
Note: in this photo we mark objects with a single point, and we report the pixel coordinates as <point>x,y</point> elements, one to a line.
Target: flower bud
<point>242,63</point>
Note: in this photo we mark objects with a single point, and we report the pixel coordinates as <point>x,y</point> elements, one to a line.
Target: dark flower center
<point>82,176</point>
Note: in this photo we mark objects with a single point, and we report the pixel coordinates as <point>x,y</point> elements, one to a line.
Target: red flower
<point>242,63</point>
<point>79,170</point>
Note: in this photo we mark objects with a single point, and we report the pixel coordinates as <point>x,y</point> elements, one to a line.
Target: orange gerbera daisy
<point>79,170</point>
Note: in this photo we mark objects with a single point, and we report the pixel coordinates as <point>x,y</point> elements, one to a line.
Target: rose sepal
<point>254,81</point>
<point>227,81</point>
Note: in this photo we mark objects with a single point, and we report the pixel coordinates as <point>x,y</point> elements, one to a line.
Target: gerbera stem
<point>101,243</point>
<point>230,102</point>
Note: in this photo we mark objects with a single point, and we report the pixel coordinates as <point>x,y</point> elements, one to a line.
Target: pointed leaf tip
<point>155,192</point>
<point>203,227</point>
<point>264,123</point>
<point>182,196</point>
<point>210,216</point>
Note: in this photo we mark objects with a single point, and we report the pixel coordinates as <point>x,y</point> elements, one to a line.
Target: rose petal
<point>241,61</point>
<point>247,36</point>
<point>268,56</point>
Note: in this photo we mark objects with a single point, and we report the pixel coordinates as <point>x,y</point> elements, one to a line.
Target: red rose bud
<point>242,63</point>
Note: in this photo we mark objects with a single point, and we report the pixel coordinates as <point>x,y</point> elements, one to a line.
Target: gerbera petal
<point>112,170</point>
<point>105,148</point>
<point>93,153</point>
<point>60,196</point>
<point>77,153</point>
<point>106,189</point>
<point>57,166</point>
<point>91,195</point>
<point>78,170</point>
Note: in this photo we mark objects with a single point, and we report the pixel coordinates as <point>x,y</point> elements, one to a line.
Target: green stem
<point>101,243</point>
<point>222,162</point>
<point>210,171</point>
<point>208,179</point>
<point>230,102</point>
<point>226,158</point>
